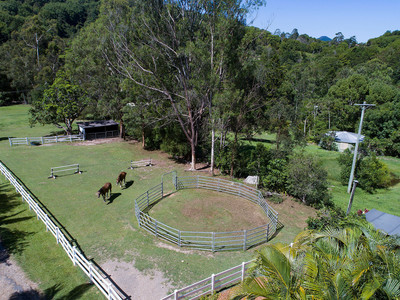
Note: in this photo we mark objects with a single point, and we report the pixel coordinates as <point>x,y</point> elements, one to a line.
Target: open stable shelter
<point>98,129</point>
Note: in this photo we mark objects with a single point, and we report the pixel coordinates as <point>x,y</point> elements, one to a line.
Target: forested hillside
<point>193,79</point>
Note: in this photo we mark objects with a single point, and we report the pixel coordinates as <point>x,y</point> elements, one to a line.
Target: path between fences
<point>98,277</point>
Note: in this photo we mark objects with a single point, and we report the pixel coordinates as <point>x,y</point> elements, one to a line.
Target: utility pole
<point>363,108</point>
<point>351,197</point>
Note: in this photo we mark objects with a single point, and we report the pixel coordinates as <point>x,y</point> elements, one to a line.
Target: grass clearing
<point>203,210</point>
<point>109,231</point>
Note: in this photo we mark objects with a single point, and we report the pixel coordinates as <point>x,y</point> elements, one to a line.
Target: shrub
<point>370,172</point>
<point>327,142</point>
<point>373,174</point>
<point>326,217</point>
<point>307,180</point>
<point>275,199</point>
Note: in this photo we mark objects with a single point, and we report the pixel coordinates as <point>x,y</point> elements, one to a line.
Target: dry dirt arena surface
<point>138,285</point>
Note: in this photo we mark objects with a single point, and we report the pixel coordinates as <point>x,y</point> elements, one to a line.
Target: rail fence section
<point>214,283</point>
<point>62,169</point>
<point>45,140</point>
<point>102,135</point>
<point>140,163</point>
<point>96,275</point>
<point>209,241</point>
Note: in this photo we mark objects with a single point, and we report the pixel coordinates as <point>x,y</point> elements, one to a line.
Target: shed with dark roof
<point>98,129</point>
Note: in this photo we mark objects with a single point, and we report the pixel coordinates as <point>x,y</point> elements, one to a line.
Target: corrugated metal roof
<point>388,223</point>
<point>346,137</point>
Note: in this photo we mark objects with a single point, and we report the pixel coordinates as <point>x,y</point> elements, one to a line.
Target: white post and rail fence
<point>214,283</point>
<point>30,141</point>
<point>96,275</point>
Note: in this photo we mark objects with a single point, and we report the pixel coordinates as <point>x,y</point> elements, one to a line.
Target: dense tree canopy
<point>196,69</point>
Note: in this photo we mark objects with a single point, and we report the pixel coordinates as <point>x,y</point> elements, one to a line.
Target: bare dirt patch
<point>13,280</point>
<point>98,142</point>
<point>293,216</point>
<point>138,285</point>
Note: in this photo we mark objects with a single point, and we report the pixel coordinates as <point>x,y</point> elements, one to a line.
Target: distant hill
<point>325,38</point>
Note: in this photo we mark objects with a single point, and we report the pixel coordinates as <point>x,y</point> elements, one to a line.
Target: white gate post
<point>243,270</point>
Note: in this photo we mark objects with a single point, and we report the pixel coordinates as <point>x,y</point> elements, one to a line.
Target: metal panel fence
<point>45,140</point>
<point>96,275</point>
<point>215,282</point>
<point>102,135</point>
<point>209,241</point>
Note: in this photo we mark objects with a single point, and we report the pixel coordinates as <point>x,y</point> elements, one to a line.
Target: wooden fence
<point>97,276</point>
<point>214,283</point>
<point>209,241</point>
<point>45,140</point>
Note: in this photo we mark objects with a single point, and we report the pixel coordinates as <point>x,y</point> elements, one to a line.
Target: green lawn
<point>109,231</point>
<point>386,200</point>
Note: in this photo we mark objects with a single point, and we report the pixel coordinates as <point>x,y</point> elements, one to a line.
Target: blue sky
<point>363,18</point>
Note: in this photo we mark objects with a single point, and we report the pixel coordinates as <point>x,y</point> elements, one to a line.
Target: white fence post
<point>57,234</point>
<point>244,239</point>
<point>90,272</point>
<point>10,140</point>
<point>109,291</point>
<point>176,295</point>
<point>243,270</point>
<point>74,255</point>
<point>42,141</point>
<point>212,283</point>
<point>213,241</point>
<point>27,141</point>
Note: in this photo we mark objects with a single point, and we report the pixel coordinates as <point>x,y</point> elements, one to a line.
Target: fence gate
<point>168,183</point>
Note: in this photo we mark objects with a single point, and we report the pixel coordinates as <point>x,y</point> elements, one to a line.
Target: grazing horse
<point>106,189</point>
<point>120,178</point>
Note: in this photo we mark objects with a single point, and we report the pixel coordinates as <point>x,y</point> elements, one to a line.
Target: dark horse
<point>121,178</point>
<point>106,189</point>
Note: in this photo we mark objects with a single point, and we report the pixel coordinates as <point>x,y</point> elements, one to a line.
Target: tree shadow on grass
<point>51,293</point>
<point>12,241</point>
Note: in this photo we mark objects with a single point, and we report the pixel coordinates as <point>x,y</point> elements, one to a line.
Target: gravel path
<point>13,280</point>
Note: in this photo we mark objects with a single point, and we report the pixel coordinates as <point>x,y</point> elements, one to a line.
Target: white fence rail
<point>96,275</point>
<point>62,169</point>
<point>214,283</point>
<point>208,241</point>
<point>140,163</point>
<point>45,140</point>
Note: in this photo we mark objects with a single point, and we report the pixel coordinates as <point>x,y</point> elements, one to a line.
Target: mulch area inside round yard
<point>203,210</point>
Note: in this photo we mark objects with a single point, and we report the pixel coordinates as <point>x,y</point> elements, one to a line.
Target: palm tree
<point>352,262</point>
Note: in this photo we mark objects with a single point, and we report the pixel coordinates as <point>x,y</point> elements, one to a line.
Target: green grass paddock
<point>109,231</point>
<point>385,200</point>
<point>104,232</point>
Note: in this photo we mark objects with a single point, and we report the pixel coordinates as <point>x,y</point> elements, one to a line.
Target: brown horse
<point>121,178</point>
<point>106,189</point>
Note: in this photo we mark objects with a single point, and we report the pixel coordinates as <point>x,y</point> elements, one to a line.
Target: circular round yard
<point>204,210</point>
